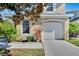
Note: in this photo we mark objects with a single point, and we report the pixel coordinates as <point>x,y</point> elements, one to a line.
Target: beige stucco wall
<point>58,8</point>
<point>19,31</point>
<point>18,27</point>
<point>66,29</point>
<point>61,8</point>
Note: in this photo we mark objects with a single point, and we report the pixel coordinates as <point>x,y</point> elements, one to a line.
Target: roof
<point>72,12</point>
<point>76,14</point>
<point>75,19</point>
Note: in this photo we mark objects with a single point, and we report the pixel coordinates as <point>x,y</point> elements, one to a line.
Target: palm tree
<point>29,10</point>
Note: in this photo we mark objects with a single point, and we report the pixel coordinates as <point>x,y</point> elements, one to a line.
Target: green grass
<point>74,41</point>
<point>27,52</point>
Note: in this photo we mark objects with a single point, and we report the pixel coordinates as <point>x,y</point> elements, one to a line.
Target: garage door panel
<point>58,27</point>
<point>48,35</point>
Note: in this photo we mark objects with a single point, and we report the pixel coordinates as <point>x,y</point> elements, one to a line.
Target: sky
<point>7,12</point>
<point>71,6</point>
<point>68,7</point>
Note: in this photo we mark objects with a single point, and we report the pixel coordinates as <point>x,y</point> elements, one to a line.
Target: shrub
<point>18,38</point>
<point>30,38</point>
<point>73,28</point>
<point>4,52</point>
<point>8,30</point>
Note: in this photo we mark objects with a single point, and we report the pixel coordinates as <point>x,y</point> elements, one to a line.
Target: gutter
<point>56,16</point>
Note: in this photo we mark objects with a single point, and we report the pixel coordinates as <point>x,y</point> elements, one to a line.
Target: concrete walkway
<point>26,45</point>
<point>60,48</point>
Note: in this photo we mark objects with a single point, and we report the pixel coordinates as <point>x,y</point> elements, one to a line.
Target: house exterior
<point>53,24</point>
<point>53,19</point>
<point>56,21</point>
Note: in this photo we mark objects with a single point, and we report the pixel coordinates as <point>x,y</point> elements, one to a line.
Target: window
<point>50,7</point>
<point>25,26</point>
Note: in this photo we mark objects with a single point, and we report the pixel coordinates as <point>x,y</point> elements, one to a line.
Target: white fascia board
<point>57,16</point>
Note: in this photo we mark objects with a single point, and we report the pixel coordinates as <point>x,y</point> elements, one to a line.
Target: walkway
<point>60,48</point>
<point>26,45</point>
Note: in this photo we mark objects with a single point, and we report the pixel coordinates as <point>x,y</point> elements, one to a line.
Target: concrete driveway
<point>60,48</point>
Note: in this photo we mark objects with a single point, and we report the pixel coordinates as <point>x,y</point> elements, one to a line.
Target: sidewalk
<point>26,45</point>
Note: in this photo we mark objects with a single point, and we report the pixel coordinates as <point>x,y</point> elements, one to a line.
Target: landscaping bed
<point>74,41</point>
<point>27,52</point>
<point>23,49</point>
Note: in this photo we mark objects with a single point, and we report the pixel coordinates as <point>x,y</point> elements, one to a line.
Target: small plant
<point>17,38</point>
<point>4,52</point>
<point>30,38</point>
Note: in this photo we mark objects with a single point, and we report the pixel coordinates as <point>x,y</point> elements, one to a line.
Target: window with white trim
<point>25,26</point>
<point>49,7</point>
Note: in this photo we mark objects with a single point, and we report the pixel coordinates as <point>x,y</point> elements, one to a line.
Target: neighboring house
<point>53,19</point>
<point>75,17</point>
<point>75,20</point>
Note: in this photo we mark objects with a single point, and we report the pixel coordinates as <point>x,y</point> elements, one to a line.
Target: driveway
<point>60,48</point>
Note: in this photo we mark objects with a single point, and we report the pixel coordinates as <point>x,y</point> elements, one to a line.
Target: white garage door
<point>56,27</point>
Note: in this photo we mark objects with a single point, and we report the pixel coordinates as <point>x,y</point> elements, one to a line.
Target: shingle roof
<point>76,14</point>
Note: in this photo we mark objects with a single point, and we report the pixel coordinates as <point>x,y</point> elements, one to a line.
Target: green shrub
<point>4,52</point>
<point>17,38</point>
<point>30,38</point>
<point>8,30</point>
<point>73,28</point>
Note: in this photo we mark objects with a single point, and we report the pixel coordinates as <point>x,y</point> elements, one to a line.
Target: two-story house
<point>53,19</point>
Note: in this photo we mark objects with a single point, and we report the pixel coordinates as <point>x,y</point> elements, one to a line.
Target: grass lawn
<point>27,52</point>
<point>74,41</point>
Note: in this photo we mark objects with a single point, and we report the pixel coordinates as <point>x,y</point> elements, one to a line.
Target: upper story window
<point>54,8</point>
<point>50,7</point>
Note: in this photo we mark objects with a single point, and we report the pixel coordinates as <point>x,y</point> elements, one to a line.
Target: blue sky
<point>7,12</point>
<point>68,7</point>
<point>71,6</point>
